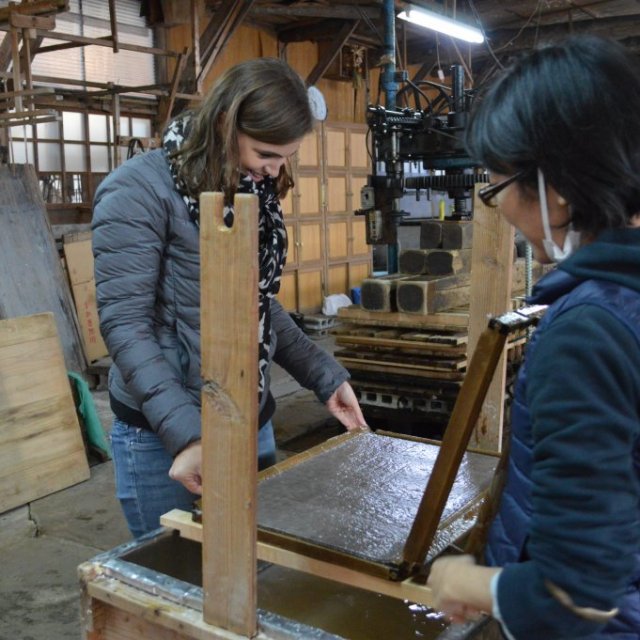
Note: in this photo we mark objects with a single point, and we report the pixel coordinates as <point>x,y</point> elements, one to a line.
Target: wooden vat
<point>151,589</point>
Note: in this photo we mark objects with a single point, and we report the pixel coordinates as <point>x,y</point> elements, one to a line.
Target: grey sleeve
<point>129,226</point>
<point>310,365</point>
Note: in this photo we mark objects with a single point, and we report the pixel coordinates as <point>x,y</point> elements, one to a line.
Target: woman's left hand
<point>460,588</point>
<point>344,406</point>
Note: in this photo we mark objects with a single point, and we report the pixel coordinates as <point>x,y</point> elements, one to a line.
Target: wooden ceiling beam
<point>315,32</point>
<point>38,7</point>
<point>616,28</point>
<point>227,17</point>
<point>331,52</point>
<point>343,12</point>
<point>217,33</point>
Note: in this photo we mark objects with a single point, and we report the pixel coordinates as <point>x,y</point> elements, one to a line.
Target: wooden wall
<point>345,104</point>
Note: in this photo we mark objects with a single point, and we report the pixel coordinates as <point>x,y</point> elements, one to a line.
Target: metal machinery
<point>416,151</point>
<point>420,170</point>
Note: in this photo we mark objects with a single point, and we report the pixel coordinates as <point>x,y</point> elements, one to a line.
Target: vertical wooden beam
<point>222,26</point>
<point>115,110</point>
<point>229,347</point>
<point>15,56</point>
<point>195,43</point>
<point>491,276</point>
<point>167,102</point>
<point>113,18</point>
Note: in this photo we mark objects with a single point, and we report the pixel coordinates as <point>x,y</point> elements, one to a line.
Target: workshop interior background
<point>105,77</point>
<point>88,83</point>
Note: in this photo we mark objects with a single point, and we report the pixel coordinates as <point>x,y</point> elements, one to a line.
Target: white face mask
<point>572,239</point>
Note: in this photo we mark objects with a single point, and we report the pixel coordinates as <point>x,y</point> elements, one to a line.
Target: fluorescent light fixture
<point>434,21</point>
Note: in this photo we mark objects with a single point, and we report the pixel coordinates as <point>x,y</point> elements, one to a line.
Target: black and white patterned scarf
<point>272,235</point>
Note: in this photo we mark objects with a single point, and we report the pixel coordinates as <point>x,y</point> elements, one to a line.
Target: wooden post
<point>229,346</point>
<point>491,275</point>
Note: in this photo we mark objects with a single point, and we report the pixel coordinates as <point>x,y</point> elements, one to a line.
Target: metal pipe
<point>390,87</point>
<point>389,54</point>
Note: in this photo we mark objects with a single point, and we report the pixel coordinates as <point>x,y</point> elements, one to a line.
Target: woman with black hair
<point>560,134</point>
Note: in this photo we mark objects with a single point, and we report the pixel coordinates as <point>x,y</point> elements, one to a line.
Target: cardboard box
<point>79,259</point>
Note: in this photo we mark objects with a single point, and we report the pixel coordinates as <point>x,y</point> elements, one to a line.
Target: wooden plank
<point>434,262</point>
<point>404,358</point>
<point>447,234</point>
<point>229,330</point>
<point>79,259</point>
<point>451,320</point>
<point>413,346</point>
<point>405,590</point>
<point>451,339</point>
<point>106,41</point>
<point>457,235</point>
<point>399,369</point>
<point>379,294</point>
<point>31,276</point>
<point>113,22</point>
<point>428,295</point>
<point>22,21</point>
<point>491,283</point>
<point>41,447</point>
<point>454,443</point>
<point>9,95</point>
<point>128,613</point>
<point>37,7</point>
<point>165,106</point>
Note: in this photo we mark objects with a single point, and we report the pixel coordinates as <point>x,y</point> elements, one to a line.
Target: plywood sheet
<point>79,258</point>
<point>361,496</point>
<point>41,448</point>
<point>31,276</point>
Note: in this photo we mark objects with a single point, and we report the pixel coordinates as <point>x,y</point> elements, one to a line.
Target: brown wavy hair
<point>263,98</point>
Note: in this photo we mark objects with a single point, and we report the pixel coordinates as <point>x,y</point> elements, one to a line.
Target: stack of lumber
<point>432,278</point>
<point>406,345</point>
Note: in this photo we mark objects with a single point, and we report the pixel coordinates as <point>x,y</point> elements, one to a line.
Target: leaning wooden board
<point>31,275</point>
<point>41,448</point>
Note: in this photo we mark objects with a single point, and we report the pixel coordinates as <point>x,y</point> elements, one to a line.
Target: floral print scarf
<point>272,235</point>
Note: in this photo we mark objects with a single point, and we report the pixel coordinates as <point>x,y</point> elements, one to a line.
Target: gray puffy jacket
<point>147,270</point>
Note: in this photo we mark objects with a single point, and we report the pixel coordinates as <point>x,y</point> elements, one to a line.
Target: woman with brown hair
<point>147,269</point>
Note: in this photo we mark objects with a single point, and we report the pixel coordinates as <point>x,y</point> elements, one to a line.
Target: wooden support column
<point>195,44</point>
<point>229,346</point>
<point>113,19</point>
<point>15,69</point>
<point>491,276</point>
<point>167,102</point>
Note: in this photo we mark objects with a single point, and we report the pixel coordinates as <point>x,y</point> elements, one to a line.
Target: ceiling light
<point>434,21</point>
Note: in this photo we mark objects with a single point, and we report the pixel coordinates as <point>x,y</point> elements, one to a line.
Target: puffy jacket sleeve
<point>582,390</point>
<point>310,365</point>
<point>129,235</point>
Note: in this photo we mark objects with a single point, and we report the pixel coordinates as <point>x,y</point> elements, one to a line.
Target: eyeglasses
<point>488,194</point>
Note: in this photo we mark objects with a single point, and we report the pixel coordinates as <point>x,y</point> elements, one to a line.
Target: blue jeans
<point>143,485</point>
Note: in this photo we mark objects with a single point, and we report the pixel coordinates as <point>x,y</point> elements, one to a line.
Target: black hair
<point>571,109</point>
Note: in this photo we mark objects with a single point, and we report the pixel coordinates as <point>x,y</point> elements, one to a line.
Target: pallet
<point>405,358</point>
<point>453,320</point>
<point>428,343</point>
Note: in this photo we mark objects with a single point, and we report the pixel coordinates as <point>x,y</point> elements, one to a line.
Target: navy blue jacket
<point>570,511</point>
